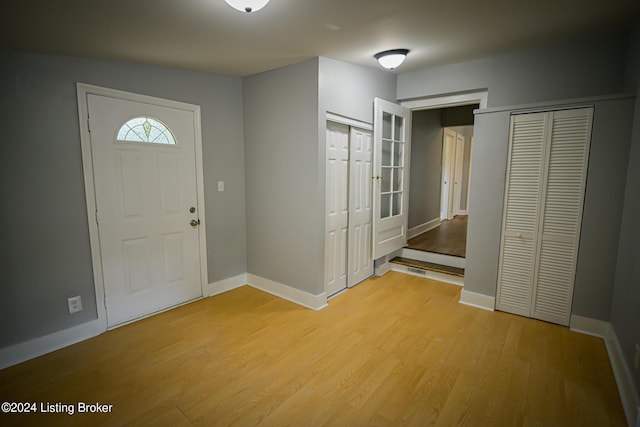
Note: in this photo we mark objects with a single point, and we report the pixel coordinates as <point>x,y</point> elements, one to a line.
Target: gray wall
<point>281,158</point>
<point>348,89</point>
<point>45,240</point>
<point>285,119</point>
<point>588,66</point>
<point>625,314</point>
<point>485,202</point>
<point>603,201</point>
<point>426,167</point>
<point>458,116</point>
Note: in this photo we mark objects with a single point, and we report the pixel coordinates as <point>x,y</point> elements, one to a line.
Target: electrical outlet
<point>636,357</point>
<point>220,185</point>
<point>75,304</point>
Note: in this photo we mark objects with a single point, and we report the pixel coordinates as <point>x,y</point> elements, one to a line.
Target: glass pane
<point>397,204</point>
<point>386,180</point>
<point>397,154</point>
<point>386,125</point>
<point>397,179</point>
<point>398,129</point>
<point>386,153</point>
<point>385,211</point>
<point>146,129</point>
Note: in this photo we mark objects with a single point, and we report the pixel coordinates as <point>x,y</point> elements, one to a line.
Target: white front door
<point>147,207</point>
<point>392,138</point>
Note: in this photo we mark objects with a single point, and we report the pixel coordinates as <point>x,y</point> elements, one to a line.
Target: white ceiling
<point>209,35</point>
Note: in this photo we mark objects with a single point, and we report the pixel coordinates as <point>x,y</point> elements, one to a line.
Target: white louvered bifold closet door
<point>520,223</point>
<point>563,200</point>
<point>543,210</point>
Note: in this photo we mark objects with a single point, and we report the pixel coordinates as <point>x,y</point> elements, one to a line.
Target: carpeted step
<point>445,269</point>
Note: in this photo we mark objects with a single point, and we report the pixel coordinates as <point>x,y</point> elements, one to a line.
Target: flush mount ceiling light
<point>391,59</point>
<point>247,5</point>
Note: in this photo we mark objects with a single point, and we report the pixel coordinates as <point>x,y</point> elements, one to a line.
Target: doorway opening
<point>442,129</point>
<point>440,179</point>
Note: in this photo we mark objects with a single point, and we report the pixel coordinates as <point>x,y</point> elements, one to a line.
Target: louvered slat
<point>554,288</point>
<point>524,174</point>
<point>516,275</point>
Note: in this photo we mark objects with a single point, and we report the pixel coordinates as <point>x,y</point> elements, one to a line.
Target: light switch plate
<point>220,185</point>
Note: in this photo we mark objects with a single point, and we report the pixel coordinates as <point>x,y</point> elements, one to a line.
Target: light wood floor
<point>393,351</point>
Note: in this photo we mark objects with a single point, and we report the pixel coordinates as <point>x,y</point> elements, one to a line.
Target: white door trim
<point>83,90</point>
<point>451,100</point>
<point>337,118</point>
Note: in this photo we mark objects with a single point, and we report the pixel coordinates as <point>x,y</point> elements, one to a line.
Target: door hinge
<point>97,222</point>
<point>89,124</point>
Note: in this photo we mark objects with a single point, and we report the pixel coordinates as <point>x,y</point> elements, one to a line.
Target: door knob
<point>195,222</point>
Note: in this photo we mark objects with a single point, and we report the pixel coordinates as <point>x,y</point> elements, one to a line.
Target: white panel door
<point>521,211</point>
<point>360,262</point>
<point>337,207</point>
<point>448,174</point>
<point>562,204</point>
<point>392,139</point>
<point>146,199</point>
<point>457,181</point>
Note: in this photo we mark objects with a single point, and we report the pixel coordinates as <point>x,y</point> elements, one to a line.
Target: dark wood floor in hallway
<point>449,238</point>
<point>397,350</point>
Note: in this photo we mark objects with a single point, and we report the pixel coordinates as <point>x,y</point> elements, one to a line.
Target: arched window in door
<point>146,129</point>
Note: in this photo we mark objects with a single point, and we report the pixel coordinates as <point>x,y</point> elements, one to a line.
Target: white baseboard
<point>305,299</point>
<point>473,299</point>
<point>624,378</point>
<point>33,348</point>
<point>621,370</point>
<point>588,326</point>
<point>428,274</point>
<point>224,285</point>
<point>382,266</point>
<point>423,228</point>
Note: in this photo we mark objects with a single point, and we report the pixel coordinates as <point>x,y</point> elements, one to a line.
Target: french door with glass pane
<point>392,127</point>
